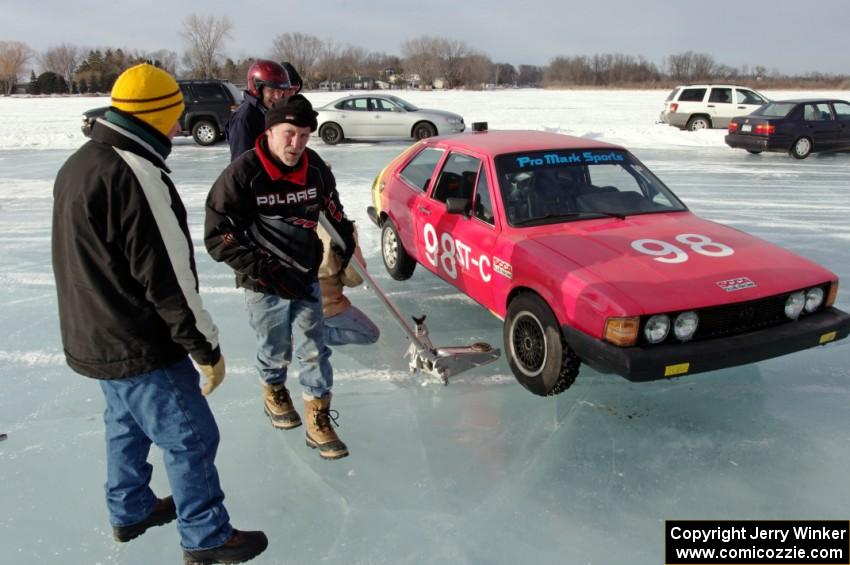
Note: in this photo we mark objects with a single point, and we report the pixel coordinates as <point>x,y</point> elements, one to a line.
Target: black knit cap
<point>295,110</point>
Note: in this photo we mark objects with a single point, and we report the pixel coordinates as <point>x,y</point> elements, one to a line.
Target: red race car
<point>588,257</point>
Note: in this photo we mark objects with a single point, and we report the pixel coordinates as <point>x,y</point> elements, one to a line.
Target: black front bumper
<point>673,360</point>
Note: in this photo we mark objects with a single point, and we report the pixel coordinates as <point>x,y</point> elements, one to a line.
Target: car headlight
<point>454,120</point>
<point>657,328</point>
<point>686,325</point>
<point>814,298</point>
<point>794,305</point>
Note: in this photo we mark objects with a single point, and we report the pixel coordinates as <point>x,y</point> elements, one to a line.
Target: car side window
<point>482,206</point>
<point>457,179</point>
<point>421,168</point>
<point>744,96</point>
<point>209,93</point>
<point>817,113</point>
<point>692,95</point>
<point>381,105</point>
<point>187,94</point>
<point>720,96</point>
<point>842,111</point>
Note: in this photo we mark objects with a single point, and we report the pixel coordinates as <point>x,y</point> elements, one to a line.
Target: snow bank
<point>627,117</point>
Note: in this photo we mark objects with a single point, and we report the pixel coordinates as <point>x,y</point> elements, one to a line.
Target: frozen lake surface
<point>479,472</point>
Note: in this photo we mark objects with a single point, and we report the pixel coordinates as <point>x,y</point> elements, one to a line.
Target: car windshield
<point>775,109</point>
<point>403,103</point>
<point>566,185</point>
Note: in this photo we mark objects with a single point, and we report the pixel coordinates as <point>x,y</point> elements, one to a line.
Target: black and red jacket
<point>259,207</point>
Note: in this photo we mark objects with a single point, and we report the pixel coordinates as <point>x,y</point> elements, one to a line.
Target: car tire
<point>754,151</point>
<point>698,122</point>
<point>331,134</point>
<point>398,263</point>
<point>802,148</point>
<point>538,356</point>
<point>424,129</point>
<point>205,132</point>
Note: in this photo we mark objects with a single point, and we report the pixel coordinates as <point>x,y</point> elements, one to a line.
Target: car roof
<point>498,142</point>
<point>714,86</point>
<point>808,101</point>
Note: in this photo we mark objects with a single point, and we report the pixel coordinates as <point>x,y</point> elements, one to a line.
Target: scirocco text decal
<point>732,285</point>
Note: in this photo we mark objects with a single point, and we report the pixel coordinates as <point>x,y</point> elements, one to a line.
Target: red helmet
<point>266,73</point>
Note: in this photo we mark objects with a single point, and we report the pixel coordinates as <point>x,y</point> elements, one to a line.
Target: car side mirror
<point>397,109</point>
<point>459,206</point>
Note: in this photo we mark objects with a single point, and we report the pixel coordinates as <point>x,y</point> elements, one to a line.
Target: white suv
<point>700,106</point>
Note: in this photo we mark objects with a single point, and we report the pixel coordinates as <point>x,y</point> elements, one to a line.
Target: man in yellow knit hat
<point>131,317</point>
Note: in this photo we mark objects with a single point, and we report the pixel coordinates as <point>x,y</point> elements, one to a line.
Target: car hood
<point>441,113</point>
<point>606,252</point>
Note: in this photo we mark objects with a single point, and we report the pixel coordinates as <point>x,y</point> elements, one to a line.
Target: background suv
<point>701,106</point>
<point>209,104</point>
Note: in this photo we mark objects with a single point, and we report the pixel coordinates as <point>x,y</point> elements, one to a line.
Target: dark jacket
<point>245,125</point>
<point>123,259</point>
<point>260,208</point>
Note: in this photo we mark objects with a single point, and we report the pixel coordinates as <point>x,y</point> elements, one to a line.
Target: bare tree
<point>474,70</point>
<point>301,50</point>
<point>453,54</point>
<point>14,55</point>
<point>328,66</point>
<point>206,36</point>
<point>422,57</point>
<point>165,59</point>
<point>63,60</point>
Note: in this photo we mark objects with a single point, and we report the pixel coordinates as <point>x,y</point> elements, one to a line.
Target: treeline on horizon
<point>425,62</point>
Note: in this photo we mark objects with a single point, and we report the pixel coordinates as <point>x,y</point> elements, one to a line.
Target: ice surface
<point>478,472</point>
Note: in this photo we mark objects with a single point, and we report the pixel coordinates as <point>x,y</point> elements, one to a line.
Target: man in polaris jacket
<point>262,214</point>
<point>268,82</point>
<point>129,312</point>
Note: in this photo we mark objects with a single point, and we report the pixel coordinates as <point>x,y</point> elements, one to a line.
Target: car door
<point>354,117</point>
<point>821,125</point>
<point>456,246</point>
<point>747,101</point>
<point>720,106</point>
<point>209,99</point>
<point>403,204</point>
<point>842,115</point>
<point>388,118</point>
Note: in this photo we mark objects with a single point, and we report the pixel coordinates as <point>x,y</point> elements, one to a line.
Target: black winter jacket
<point>123,261</point>
<point>259,208</point>
<point>245,125</point>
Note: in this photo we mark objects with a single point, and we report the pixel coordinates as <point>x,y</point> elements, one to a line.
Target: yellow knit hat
<point>150,94</point>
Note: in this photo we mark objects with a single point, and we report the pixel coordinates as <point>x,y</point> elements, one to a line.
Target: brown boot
<point>279,408</point>
<point>320,431</point>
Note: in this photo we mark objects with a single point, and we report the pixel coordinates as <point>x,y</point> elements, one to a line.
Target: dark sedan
<point>798,127</point>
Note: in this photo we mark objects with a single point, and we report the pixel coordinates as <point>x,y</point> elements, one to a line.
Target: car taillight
<point>764,129</point>
<point>674,107</point>
<point>733,127</point>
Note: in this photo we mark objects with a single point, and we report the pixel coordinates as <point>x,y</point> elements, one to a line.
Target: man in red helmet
<point>268,82</point>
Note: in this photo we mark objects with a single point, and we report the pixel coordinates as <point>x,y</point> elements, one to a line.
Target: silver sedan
<point>382,116</point>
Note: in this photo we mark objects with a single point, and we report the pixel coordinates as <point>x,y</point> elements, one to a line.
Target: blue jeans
<point>164,407</point>
<point>350,326</point>
<point>284,327</point>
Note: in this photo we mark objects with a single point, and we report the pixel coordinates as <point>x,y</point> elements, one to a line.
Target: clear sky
<point>787,35</point>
